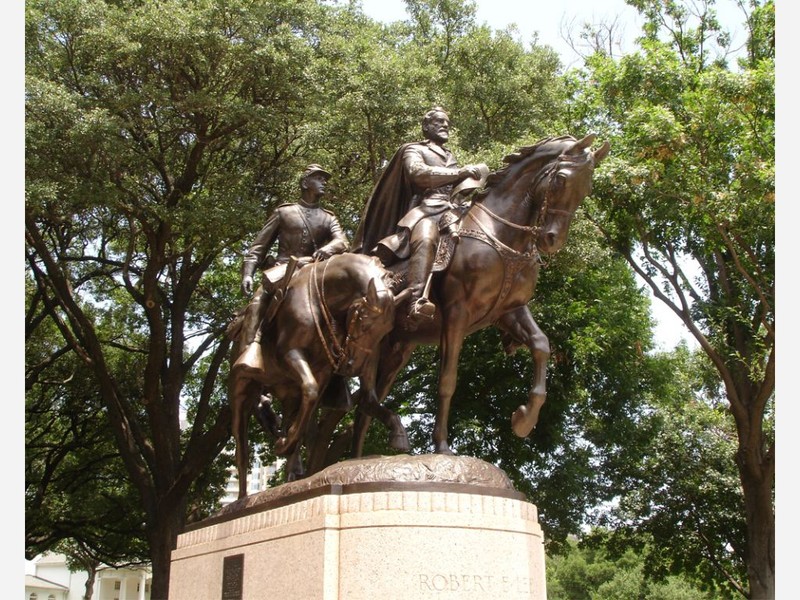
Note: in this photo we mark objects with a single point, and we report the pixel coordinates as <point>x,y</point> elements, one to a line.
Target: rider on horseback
<point>304,231</point>
<point>402,217</point>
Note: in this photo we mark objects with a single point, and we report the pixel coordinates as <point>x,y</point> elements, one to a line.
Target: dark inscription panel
<point>232,577</point>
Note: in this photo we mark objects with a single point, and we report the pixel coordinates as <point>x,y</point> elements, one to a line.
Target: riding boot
<point>423,253</point>
<point>254,315</point>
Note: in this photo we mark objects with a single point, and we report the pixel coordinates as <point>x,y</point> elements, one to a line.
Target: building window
<point>51,597</point>
<point>116,585</point>
<point>33,596</point>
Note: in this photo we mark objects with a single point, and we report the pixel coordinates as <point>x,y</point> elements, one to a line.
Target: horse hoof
<point>522,422</point>
<point>283,447</point>
<point>399,441</point>
<point>443,448</point>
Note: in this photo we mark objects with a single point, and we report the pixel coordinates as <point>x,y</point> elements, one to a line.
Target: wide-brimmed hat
<point>470,184</point>
<point>314,168</point>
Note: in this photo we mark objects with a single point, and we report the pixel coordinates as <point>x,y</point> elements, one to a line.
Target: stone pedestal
<point>388,528</point>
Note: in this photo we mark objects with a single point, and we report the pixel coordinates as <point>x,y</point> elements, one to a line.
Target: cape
<point>389,202</point>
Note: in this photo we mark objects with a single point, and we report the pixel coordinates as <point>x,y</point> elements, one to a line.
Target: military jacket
<point>429,170</point>
<point>299,230</point>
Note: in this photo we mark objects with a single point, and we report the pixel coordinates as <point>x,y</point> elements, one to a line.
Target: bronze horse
<point>329,326</point>
<point>524,209</point>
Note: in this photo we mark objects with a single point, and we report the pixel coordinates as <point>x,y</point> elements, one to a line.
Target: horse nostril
<point>551,238</point>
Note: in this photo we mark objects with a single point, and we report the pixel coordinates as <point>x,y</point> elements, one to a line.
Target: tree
<point>148,126</point>
<point>76,489</point>
<point>592,571</point>
<point>688,200</point>
<point>682,495</point>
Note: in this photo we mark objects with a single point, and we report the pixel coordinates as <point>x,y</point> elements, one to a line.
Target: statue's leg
<point>319,448</point>
<point>424,239</point>
<point>294,466</point>
<point>454,325</point>
<point>309,395</point>
<point>371,408</point>
<point>253,315</point>
<point>393,357</point>
<point>243,395</point>
<point>522,329</point>
<point>266,416</point>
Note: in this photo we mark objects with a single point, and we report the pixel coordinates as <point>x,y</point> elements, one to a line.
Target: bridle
<point>533,231</point>
<point>515,260</point>
<point>335,352</point>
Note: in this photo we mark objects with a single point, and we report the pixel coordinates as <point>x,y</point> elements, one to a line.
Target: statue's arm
<point>338,244</point>
<point>427,176</point>
<point>257,253</point>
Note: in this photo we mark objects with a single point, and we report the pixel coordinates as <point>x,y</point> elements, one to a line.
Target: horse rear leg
<point>522,329</point>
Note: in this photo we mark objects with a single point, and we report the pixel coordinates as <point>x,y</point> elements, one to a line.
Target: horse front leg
<point>454,319</point>
<point>368,404</point>
<point>392,358</point>
<point>243,396</point>
<point>522,329</point>
<point>309,392</point>
<point>294,465</point>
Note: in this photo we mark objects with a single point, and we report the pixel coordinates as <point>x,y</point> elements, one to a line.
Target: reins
<point>334,352</point>
<point>514,260</point>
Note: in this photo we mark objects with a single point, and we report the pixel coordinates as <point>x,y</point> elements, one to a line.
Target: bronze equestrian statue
<point>484,274</point>
<point>312,322</point>
<point>490,254</point>
<point>329,326</point>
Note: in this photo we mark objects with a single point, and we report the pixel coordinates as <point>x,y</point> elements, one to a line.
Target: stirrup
<point>421,310</point>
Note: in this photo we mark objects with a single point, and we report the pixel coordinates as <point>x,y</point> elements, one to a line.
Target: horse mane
<point>545,147</point>
<point>374,269</point>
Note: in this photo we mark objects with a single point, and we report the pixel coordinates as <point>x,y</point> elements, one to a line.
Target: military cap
<point>314,168</point>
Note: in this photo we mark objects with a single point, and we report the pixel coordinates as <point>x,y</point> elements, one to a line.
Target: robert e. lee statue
<point>305,231</point>
<point>401,219</point>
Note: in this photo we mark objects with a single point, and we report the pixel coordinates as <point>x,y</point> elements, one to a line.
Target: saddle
<point>275,284</point>
<point>449,225</point>
<point>279,291</point>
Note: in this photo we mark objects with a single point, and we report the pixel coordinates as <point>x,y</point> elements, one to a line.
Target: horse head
<point>369,319</point>
<point>536,195</point>
<point>559,192</point>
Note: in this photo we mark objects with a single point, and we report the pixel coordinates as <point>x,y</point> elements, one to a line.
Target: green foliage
<point>683,492</point>
<point>156,135</point>
<point>688,198</point>
<point>594,572</point>
<point>77,492</point>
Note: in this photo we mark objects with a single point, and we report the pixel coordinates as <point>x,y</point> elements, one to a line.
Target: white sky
<point>547,17</point>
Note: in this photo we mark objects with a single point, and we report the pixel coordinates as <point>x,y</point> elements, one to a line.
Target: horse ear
<point>372,293</point>
<point>601,153</point>
<point>581,145</point>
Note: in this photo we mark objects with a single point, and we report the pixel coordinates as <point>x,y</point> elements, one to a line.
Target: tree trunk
<point>89,587</point>
<point>760,515</point>
<point>162,533</point>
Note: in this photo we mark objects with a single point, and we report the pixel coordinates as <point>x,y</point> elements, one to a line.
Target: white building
<point>258,479</point>
<point>52,580</point>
